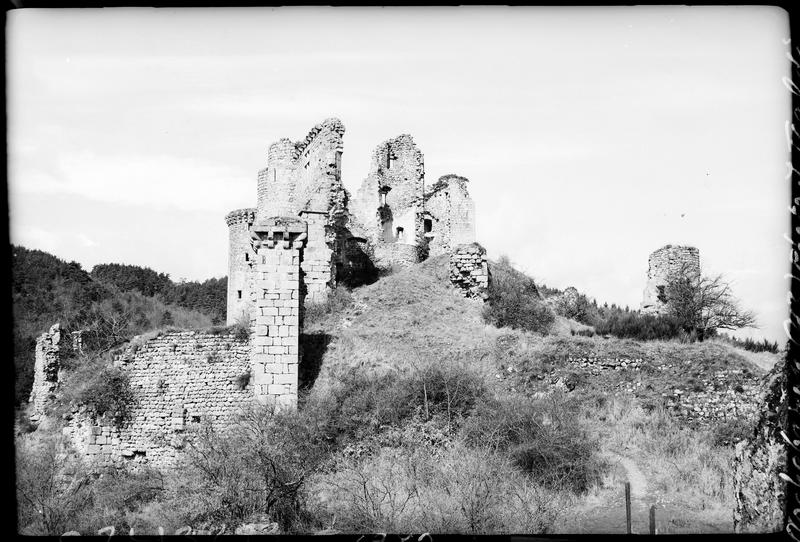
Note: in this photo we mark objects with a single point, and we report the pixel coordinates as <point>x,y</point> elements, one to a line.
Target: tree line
<point>111,304</point>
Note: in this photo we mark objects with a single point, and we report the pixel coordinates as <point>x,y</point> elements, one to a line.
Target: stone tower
<point>277,300</point>
<point>240,256</point>
<point>665,262</point>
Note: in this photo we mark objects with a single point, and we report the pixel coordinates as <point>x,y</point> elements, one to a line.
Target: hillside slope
<point>414,318</point>
<point>637,412</point>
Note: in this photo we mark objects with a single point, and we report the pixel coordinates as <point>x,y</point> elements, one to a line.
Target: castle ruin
<point>304,237</point>
<point>663,264</point>
<point>393,220</point>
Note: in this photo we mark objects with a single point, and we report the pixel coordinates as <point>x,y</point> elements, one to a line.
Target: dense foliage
<point>208,297</point>
<point>111,307</point>
<point>751,345</point>
<point>641,327</point>
<point>514,301</point>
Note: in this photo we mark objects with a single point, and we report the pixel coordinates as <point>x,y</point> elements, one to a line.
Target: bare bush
<point>703,304</point>
<point>256,468</point>
<point>461,490</point>
<point>52,488</point>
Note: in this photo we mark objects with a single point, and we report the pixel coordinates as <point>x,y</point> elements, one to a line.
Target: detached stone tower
<point>665,262</point>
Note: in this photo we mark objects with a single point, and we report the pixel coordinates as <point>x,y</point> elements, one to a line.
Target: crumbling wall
<point>179,380</point>
<point>49,351</point>
<point>317,159</point>
<point>389,203</point>
<point>240,256</point>
<point>469,270</point>
<point>319,260</point>
<point>662,264</point>
<point>760,494</point>
<point>304,177</point>
<point>449,218</point>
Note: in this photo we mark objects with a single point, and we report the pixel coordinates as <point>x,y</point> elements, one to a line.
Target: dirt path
<point>609,516</point>
<point>636,478</point>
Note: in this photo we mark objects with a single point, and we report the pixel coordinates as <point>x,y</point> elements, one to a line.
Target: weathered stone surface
<point>449,215</point>
<point>759,491</point>
<point>45,372</point>
<point>179,380</point>
<point>664,263</point>
<point>275,319</point>
<point>393,221</point>
<point>240,257</point>
<point>469,271</point>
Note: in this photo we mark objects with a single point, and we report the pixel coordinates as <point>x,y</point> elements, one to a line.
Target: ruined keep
<point>393,220</point>
<point>668,261</point>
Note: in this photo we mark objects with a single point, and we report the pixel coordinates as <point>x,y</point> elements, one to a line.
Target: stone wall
<point>723,395</point>
<point>387,224</point>
<point>303,175</point>
<point>301,178</point>
<point>318,263</point>
<point>449,217</point>
<point>47,363</point>
<point>179,380</point>
<point>389,204</point>
<point>240,256</point>
<point>469,270</point>
<point>396,254</point>
<point>663,263</point>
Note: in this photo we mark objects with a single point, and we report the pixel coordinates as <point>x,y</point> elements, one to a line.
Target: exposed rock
<point>759,492</point>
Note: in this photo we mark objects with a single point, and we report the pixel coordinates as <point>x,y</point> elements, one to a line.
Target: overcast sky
<point>591,136</point>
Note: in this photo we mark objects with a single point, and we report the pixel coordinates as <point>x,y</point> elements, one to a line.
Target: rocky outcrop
<point>760,493</point>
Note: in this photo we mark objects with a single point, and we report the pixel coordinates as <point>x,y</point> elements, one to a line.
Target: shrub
<point>730,431</point>
<point>243,380</point>
<point>513,301</point>
<point>459,490</point>
<point>641,327</point>
<point>105,390</point>
<point>361,404</point>
<point>751,345</point>
<point>48,502</point>
<point>540,436</point>
<point>256,468</point>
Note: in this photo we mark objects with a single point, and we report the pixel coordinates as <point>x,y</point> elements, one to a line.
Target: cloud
<point>85,240</point>
<point>154,181</point>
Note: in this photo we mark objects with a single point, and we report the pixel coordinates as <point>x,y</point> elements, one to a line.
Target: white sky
<point>591,136</point>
